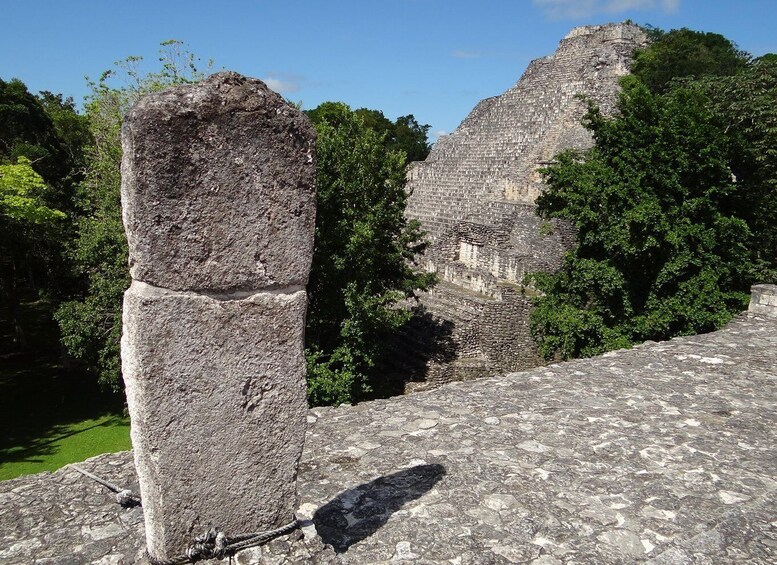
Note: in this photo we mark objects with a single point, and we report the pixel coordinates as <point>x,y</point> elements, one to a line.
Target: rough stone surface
<point>216,390</point>
<point>763,299</point>
<point>218,204</point>
<point>490,161</point>
<point>218,187</point>
<point>474,195</point>
<point>662,454</point>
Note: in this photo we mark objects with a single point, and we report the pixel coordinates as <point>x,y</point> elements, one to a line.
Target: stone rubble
<point>763,299</point>
<point>663,454</point>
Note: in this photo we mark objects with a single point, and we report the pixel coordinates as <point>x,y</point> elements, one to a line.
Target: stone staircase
<point>474,195</point>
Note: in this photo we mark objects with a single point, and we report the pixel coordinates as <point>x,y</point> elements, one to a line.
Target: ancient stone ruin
<point>218,196</point>
<point>660,454</point>
<point>763,300</point>
<point>474,195</point>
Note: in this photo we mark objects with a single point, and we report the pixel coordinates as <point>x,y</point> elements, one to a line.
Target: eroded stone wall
<point>763,299</point>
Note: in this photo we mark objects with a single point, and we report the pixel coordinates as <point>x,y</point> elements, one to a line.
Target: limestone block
<point>216,394</point>
<point>763,300</point>
<point>218,187</point>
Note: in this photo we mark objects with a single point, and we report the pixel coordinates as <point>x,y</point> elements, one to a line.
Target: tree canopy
<point>746,107</point>
<point>27,130</point>
<point>21,192</point>
<point>26,225</point>
<point>90,323</point>
<point>674,204</point>
<point>362,257</point>
<point>685,53</point>
<point>38,175</point>
<point>405,134</point>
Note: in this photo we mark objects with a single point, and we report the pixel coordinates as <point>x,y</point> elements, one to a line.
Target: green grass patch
<point>66,443</point>
<point>51,415</point>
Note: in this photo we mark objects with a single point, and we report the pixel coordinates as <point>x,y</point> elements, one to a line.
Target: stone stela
<point>218,202</point>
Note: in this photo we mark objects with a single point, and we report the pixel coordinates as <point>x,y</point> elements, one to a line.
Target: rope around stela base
<point>124,496</point>
<point>213,544</point>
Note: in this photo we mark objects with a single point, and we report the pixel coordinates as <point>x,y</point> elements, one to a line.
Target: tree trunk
<point>15,307</point>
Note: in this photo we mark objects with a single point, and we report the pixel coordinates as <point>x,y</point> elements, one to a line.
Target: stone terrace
<point>662,454</point>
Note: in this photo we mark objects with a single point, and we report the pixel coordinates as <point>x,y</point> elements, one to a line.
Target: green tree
<point>26,223</point>
<point>686,53</point>
<point>373,119</point>
<point>34,253</point>
<point>26,130</point>
<point>662,248</point>
<point>746,106</point>
<point>90,324</point>
<point>412,138</point>
<point>362,258</point>
<point>72,130</point>
<point>405,134</point>
<point>47,130</point>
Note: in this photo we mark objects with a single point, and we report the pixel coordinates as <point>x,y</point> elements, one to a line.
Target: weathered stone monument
<point>474,195</point>
<point>218,197</point>
<point>763,299</point>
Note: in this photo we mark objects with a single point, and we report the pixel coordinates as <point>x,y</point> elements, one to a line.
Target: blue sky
<point>432,58</point>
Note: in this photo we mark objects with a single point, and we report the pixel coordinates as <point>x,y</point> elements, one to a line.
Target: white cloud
<point>574,9</point>
<point>437,134</point>
<point>283,83</point>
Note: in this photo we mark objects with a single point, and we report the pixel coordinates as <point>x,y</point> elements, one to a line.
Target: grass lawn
<point>51,416</point>
<point>66,443</point>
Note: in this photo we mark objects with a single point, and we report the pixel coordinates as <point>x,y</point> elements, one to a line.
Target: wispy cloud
<point>283,83</point>
<point>464,54</point>
<point>438,133</point>
<point>468,54</point>
<point>575,9</point>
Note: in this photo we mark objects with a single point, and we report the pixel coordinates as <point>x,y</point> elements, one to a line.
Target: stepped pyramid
<point>474,196</point>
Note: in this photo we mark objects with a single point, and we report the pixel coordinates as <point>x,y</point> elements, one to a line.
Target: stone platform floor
<point>663,454</point>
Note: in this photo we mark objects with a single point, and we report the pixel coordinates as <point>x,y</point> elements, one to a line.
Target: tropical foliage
<point>674,205</point>
<point>90,322</point>
<point>362,263</point>
<point>364,247</point>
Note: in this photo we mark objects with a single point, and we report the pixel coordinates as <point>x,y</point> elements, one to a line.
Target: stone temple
<point>474,196</point>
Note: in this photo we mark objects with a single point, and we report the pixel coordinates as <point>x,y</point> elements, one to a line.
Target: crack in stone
<point>149,289</point>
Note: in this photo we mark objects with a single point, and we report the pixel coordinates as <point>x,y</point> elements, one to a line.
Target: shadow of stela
<point>357,513</point>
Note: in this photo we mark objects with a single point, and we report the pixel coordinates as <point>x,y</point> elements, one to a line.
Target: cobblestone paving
<point>662,454</point>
